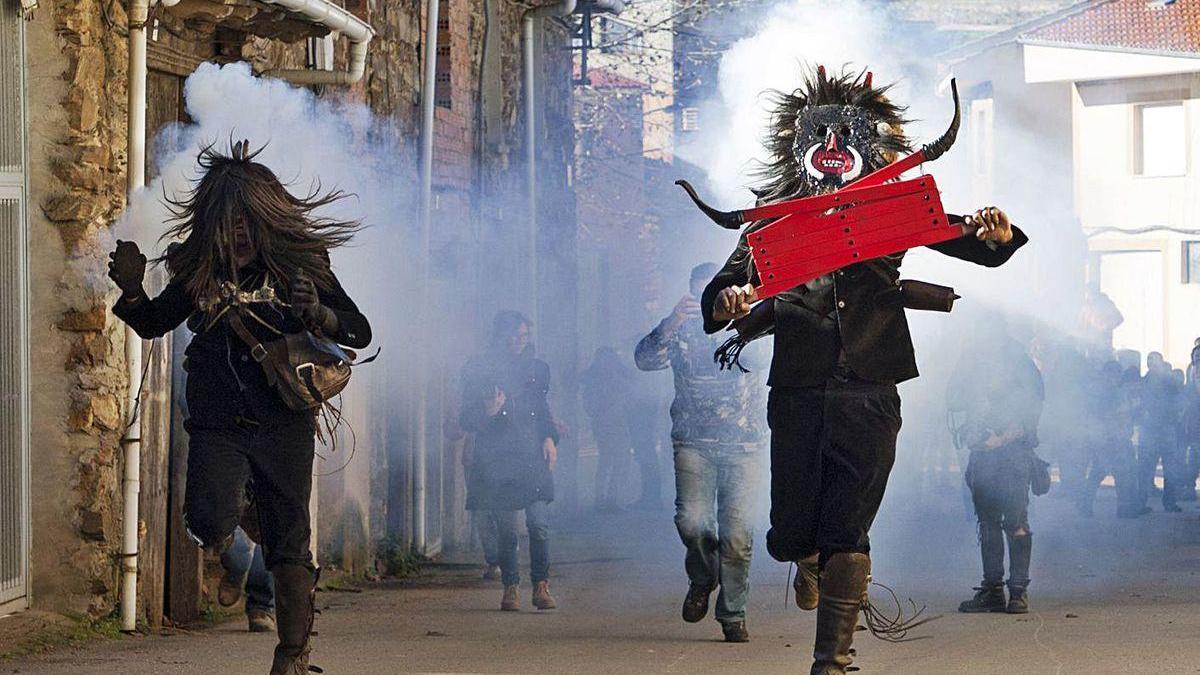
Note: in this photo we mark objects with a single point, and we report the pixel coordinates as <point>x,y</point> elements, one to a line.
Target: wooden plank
<point>152,502</point>
<point>185,562</point>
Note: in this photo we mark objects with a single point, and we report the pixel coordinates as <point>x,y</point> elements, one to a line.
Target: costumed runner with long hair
<point>251,276</point>
<point>841,340</point>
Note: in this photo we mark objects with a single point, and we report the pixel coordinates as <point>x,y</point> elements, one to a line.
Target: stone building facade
<point>75,71</point>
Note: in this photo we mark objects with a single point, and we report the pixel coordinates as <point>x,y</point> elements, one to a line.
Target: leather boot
<point>843,588</point>
<point>988,598</point>
<point>295,600</point>
<point>805,585</point>
<point>541,596</point>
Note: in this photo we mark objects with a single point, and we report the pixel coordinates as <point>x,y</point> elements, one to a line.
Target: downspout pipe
<point>533,14</point>
<point>338,19</point>
<point>131,441</point>
<point>419,445</point>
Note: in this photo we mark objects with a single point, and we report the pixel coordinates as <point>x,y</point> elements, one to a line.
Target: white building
<point>1097,106</point>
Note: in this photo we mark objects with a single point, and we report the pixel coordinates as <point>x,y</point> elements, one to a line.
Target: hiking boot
<point>735,632</point>
<point>295,600</point>
<point>1018,601</point>
<point>695,605</point>
<point>230,590</point>
<point>988,598</point>
<point>541,596</point>
<point>261,621</point>
<point>844,589</point>
<point>511,602</point>
<point>805,584</point>
<point>491,572</point>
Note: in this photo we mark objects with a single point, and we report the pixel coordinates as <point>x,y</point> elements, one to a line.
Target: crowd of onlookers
<point>1106,416</point>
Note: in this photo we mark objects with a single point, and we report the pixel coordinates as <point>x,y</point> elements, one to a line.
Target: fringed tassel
<point>728,355</point>
<point>893,628</point>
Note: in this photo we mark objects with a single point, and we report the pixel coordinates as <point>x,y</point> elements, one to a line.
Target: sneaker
<point>695,605</point>
<point>1172,508</point>
<point>261,621</point>
<point>1018,601</point>
<point>735,632</point>
<point>491,572</point>
<point>541,596</point>
<point>511,602</point>
<point>987,599</point>
<point>230,590</point>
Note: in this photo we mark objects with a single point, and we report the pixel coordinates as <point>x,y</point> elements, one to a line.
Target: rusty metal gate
<point>14,313</point>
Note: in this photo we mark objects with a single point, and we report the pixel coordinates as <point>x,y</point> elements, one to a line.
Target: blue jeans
<point>245,558</point>
<point>714,512</point>
<point>537,522</point>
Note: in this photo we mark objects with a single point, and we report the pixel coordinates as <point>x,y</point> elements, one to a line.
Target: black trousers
<point>832,449</point>
<point>999,480</point>
<point>275,459</point>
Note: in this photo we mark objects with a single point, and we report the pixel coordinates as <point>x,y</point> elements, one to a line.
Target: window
<point>981,136</point>
<point>1160,140</point>
<point>1191,262</point>
<point>689,119</point>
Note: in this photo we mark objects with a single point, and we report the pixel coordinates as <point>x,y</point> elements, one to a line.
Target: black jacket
<point>223,381</point>
<point>853,318</point>
<point>508,468</point>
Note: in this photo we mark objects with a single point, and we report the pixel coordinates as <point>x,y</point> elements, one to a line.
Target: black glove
<point>127,268</point>
<point>306,304</point>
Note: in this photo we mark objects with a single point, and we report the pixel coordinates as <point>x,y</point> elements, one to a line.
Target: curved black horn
<point>730,220</point>
<point>940,146</point>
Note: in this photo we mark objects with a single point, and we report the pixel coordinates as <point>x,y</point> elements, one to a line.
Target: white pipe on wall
<point>531,15</point>
<point>420,445</point>
<point>357,31</point>
<point>131,442</point>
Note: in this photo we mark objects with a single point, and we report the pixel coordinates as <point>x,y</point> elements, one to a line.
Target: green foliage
<point>398,559</point>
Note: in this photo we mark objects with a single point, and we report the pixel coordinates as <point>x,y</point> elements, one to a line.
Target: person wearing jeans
<point>505,406</point>
<point>718,534</point>
<point>508,536</point>
<point>245,569</point>
<point>717,429</point>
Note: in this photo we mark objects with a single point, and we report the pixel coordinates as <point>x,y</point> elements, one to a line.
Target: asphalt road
<point>1109,596</point>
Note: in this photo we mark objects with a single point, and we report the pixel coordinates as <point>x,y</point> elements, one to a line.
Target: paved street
<point>1109,597</point>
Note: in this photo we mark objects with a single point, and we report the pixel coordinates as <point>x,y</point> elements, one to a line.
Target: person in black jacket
<point>511,467</point>
<point>250,252</point>
<point>841,346</point>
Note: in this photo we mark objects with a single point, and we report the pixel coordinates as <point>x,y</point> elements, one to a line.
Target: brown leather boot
<point>510,602</point>
<point>805,585</point>
<point>541,596</point>
<point>295,600</point>
<point>843,588</point>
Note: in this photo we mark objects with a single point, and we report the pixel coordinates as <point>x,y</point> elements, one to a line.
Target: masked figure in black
<point>251,256</point>
<point>841,346</point>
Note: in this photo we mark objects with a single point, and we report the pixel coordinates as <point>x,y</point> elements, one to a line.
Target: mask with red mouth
<point>828,132</point>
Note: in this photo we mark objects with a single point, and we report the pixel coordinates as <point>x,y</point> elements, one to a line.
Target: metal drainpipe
<point>420,443</point>
<point>131,442</point>
<point>357,31</point>
<point>560,8</point>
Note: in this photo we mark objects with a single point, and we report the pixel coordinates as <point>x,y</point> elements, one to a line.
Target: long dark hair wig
<point>782,174</point>
<point>234,189</point>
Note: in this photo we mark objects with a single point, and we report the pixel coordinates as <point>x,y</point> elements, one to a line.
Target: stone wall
<point>77,138</point>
